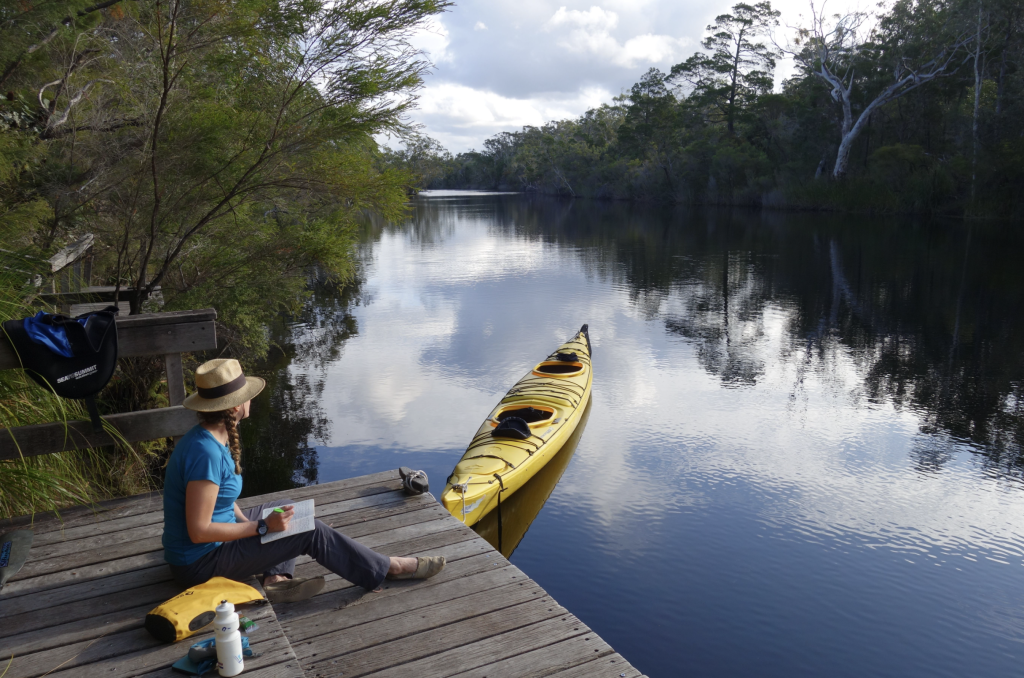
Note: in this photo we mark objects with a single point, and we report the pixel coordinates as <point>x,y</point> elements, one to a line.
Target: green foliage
<point>217,149</point>
<point>738,69</point>
<point>53,481</point>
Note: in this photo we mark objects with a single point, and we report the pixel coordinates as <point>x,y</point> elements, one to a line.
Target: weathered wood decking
<point>77,607</point>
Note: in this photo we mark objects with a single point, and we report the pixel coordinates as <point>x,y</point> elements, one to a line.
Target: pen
<point>279,510</point>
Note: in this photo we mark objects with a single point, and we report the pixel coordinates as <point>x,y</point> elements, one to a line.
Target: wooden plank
<point>412,655</point>
<point>125,581</point>
<point>168,318</point>
<point>92,607</point>
<point>349,506</point>
<point>302,628</point>
<point>339,594</point>
<point>92,293</point>
<point>326,648</point>
<point>123,548</point>
<point>144,338</point>
<point>163,422</point>
<point>120,507</point>
<point>99,516</point>
<point>511,641</point>
<point>547,660</point>
<point>278,662</point>
<point>612,666</point>
<point>108,509</point>
<point>71,253</point>
<point>107,568</point>
<point>69,633</point>
<point>162,339</point>
<point>268,640</point>
<point>289,669</point>
<point>383,481</point>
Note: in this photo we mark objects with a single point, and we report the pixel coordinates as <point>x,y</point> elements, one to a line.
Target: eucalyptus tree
<point>909,47</point>
<point>741,63</point>
<point>648,130</point>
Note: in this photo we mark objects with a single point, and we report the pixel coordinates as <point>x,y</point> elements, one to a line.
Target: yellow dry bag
<point>191,610</point>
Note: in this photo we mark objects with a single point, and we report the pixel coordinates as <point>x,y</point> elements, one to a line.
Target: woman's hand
<point>278,521</point>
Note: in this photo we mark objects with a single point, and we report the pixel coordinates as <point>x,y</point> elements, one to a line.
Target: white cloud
<point>500,64</point>
<point>590,32</point>
<point>461,117</point>
<point>594,18</point>
<point>434,40</point>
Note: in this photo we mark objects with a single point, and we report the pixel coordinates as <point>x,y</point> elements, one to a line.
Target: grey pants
<point>243,558</point>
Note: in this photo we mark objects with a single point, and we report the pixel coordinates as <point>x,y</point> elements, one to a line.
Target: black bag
<point>43,344</point>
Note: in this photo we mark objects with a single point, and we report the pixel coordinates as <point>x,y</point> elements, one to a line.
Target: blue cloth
<point>186,665</point>
<point>197,456</point>
<point>50,336</point>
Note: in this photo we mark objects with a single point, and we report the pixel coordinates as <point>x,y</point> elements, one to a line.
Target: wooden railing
<point>164,334</point>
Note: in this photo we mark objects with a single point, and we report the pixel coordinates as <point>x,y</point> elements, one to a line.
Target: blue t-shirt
<point>197,456</point>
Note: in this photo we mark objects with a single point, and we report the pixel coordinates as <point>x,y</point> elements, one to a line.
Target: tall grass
<point>50,482</point>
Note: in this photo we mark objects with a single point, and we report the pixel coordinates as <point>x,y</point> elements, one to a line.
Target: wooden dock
<point>77,607</point>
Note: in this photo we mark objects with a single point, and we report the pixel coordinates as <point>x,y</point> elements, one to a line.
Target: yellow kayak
<point>527,428</point>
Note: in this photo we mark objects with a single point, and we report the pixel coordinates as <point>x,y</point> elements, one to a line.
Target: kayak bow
<point>526,429</point>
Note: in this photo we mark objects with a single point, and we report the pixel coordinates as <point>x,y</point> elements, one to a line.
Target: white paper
<point>301,522</point>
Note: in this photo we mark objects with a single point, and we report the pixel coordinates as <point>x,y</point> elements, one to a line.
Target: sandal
<point>294,590</point>
<point>414,482</point>
<point>425,568</point>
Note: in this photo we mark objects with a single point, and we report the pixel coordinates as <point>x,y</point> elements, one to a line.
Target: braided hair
<point>227,417</point>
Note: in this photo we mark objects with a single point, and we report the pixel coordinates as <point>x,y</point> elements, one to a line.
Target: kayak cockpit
<point>558,369</point>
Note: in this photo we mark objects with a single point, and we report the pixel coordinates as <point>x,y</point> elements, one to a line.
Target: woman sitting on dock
<point>206,534</point>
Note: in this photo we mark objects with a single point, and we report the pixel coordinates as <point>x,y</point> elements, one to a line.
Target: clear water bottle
<point>229,640</point>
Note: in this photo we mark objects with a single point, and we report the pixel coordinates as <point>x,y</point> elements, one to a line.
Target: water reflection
<point>279,437</point>
<point>505,527</point>
<point>805,440</point>
<point>930,312</point>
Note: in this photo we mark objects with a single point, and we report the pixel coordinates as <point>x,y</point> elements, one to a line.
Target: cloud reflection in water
<point>782,455</point>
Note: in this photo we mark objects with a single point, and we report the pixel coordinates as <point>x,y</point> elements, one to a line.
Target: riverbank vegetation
<point>216,150</point>
<point>916,109</point>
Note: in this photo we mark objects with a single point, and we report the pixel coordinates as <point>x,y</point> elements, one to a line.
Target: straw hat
<point>220,385</point>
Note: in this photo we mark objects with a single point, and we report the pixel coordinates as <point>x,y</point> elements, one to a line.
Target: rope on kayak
<point>499,509</point>
<point>484,439</point>
<point>462,488</point>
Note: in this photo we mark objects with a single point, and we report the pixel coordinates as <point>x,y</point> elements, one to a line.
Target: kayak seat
<point>512,427</point>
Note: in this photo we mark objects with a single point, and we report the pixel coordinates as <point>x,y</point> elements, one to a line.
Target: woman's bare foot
<point>402,565</point>
<point>274,578</point>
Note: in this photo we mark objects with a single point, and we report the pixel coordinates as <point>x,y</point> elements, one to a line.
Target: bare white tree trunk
<point>829,49</point>
<point>977,104</point>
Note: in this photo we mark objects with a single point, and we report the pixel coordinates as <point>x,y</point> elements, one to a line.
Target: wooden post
<point>175,378</point>
<point>175,381</point>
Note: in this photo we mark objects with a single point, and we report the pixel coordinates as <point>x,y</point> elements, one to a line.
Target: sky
<point>503,64</point>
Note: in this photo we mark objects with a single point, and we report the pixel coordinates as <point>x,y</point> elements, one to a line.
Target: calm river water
<point>803,454</point>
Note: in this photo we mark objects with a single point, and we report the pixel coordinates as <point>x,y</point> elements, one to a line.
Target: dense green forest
<point>217,150</point>
<point>919,108</point>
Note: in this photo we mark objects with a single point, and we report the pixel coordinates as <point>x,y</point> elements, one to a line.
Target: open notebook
<point>302,521</point>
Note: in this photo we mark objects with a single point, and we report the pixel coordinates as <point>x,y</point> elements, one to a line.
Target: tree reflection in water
<point>929,312</point>
<point>278,438</point>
